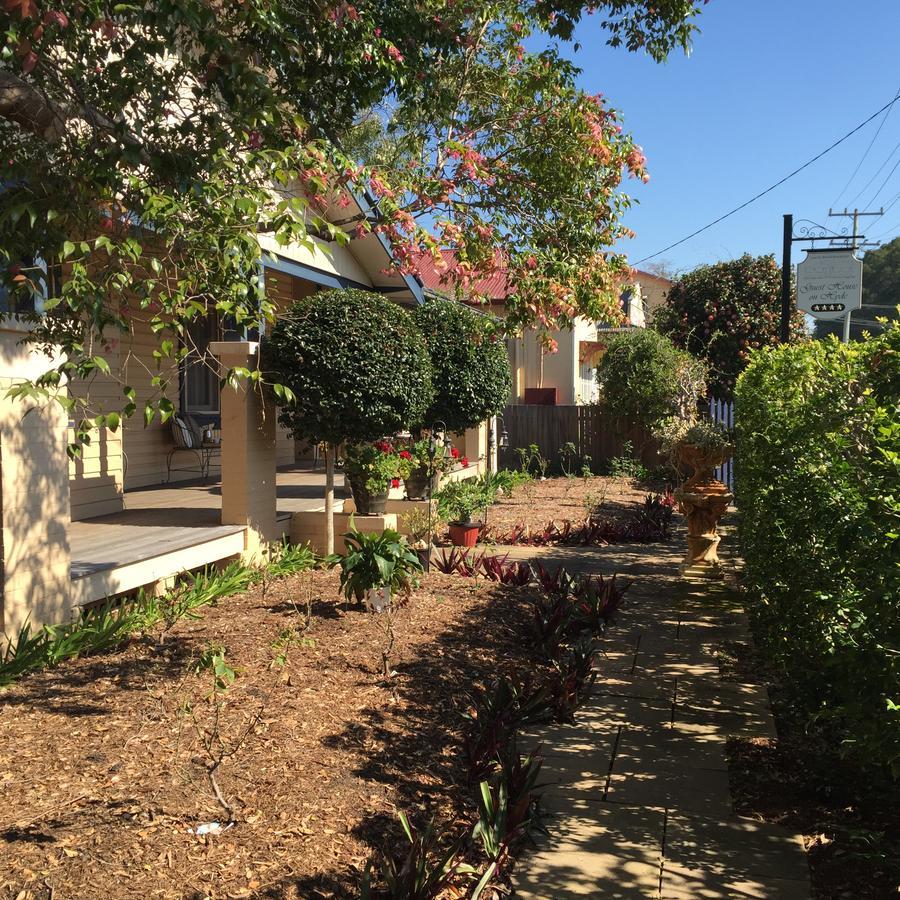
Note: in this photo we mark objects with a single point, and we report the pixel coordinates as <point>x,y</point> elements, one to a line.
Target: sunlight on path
<point>637,795</point>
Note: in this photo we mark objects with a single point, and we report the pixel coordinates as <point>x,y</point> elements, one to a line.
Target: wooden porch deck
<point>165,530</point>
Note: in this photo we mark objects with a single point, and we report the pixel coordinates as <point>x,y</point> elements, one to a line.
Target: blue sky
<point>769,84</point>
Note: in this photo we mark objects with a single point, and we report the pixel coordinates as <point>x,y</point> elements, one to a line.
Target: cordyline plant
<point>146,147</point>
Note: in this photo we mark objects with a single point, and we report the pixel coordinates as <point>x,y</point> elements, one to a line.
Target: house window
<point>199,377</point>
<point>34,282</point>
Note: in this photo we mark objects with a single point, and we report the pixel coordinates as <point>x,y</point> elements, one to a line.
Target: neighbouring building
<point>566,377</point>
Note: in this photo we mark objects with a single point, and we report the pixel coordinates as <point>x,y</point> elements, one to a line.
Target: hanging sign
<point>829,283</point>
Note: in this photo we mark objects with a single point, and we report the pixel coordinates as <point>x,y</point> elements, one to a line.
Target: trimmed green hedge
<point>471,374</point>
<point>818,466</point>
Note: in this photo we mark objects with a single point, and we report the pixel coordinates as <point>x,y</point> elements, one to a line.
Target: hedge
<point>471,374</point>
<point>356,363</point>
<point>818,484</point>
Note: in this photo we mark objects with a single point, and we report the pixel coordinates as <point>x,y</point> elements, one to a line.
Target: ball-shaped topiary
<point>645,378</point>
<point>356,363</point>
<point>472,378</point>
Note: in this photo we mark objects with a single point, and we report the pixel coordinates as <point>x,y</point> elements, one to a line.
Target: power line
<point>866,154</point>
<point>878,171</point>
<point>777,184</point>
<point>883,183</point>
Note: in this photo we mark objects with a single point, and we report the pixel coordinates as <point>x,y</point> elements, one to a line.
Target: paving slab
<point>601,710</point>
<point>727,722</point>
<point>570,740</point>
<point>703,791</point>
<point>613,851</point>
<point>731,696</point>
<point>672,745</point>
<point>701,885</point>
<point>732,847</point>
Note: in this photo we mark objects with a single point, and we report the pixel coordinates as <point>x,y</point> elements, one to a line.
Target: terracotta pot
<point>367,503</point>
<point>702,462</point>
<point>464,534</point>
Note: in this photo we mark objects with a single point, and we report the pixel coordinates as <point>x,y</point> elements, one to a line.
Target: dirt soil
<point>103,777</point>
<point>559,499</point>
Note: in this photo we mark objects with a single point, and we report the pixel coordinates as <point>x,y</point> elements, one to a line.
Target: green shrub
<point>471,373</point>
<point>356,364</point>
<point>818,483</point>
<point>644,378</point>
<point>377,561</point>
<point>722,312</point>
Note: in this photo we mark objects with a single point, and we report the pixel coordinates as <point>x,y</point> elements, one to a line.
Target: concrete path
<point>637,796</point>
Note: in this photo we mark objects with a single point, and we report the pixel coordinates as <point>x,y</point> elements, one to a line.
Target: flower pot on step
<point>464,534</point>
<point>367,503</point>
<point>417,484</point>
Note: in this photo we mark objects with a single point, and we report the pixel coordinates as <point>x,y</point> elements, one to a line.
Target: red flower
<point>454,452</point>
<point>464,461</point>
<point>395,482</point>
<point>405,454</point>
<point>383,446</point>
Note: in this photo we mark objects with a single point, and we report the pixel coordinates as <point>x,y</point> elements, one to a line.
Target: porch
<point>166,530</point>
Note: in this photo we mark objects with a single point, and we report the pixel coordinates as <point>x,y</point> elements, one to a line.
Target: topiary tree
<point>645,379</point>
<point>720,313</point>
<point>355,367</point>
<point>471,374</point>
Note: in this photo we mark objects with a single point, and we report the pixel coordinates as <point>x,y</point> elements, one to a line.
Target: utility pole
<point>855,244</point>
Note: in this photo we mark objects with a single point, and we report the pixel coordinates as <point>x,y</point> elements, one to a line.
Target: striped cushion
<point>183,434</point>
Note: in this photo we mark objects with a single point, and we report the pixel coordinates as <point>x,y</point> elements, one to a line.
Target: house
<point>127,512</point>
<point>654,289</point>
<point>566,377</point>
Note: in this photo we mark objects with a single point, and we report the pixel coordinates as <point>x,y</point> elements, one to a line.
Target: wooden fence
<point>593,433</point>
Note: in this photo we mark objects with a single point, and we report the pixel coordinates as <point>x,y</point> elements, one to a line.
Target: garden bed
<point>105,778</point>
<point>559,499</point>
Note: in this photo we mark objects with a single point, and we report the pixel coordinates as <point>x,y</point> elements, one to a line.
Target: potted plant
<point>417,524</point>
<point>425,469</point>
<point>456,503</point>
<point>703,446</point>
<point>372,469</point>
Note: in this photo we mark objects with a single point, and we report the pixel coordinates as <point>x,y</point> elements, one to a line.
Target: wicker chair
<point>189,437</point>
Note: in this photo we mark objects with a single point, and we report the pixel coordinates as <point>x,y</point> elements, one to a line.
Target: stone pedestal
<point>703,504</point>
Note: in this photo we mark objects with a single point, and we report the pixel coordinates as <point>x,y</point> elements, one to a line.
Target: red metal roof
<point>495,286</point>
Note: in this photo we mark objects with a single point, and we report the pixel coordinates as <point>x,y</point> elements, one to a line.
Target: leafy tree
<point>645,379</point>
<point>880,294</point>
<point>721,312</point>
<point>355,367</point>
<point>146,146</point>
<point>471,376</point>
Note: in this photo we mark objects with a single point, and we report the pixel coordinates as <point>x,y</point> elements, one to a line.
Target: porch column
<point>35,558</point>
<point>248,450</point>
<point>476,446</point>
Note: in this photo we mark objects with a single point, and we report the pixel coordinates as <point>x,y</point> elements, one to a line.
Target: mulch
<point>559,500</point>
<point>104,778</point>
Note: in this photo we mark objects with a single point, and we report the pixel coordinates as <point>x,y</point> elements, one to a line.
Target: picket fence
<point>722,411</point>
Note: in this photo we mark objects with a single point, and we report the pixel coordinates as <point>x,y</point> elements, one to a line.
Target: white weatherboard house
<point>132,510</point>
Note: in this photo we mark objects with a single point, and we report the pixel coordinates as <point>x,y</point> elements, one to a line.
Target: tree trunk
<point>329,499</point>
